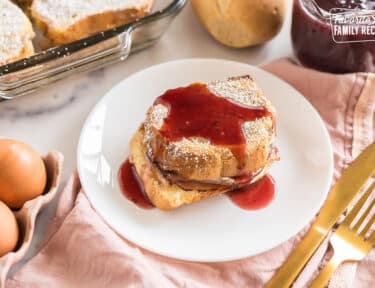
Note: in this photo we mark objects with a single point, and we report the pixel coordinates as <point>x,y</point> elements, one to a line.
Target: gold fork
<point>339,198</point>
<point>349,242</point>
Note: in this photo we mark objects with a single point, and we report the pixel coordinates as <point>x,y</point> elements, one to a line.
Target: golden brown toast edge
<point>89,25</point>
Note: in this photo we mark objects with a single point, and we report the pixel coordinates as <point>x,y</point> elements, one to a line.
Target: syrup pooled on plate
<point>131,186</point>
<point>255,196</point>
<point>195,111</point>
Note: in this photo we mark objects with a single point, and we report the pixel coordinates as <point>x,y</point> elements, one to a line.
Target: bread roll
<point>241,23</point>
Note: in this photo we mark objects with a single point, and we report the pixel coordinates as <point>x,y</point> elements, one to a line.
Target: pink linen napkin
<point>82,251</point>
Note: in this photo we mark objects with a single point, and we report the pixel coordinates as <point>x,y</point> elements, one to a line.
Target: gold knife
<point>340,196</point>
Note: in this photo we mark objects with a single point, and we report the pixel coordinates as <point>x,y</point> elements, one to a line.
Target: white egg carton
<point>26,216</point>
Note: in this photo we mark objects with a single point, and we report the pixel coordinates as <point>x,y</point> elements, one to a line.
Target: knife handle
<point>291,268</point>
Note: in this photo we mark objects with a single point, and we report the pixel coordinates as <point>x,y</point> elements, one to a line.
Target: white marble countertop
<point>52,118</point>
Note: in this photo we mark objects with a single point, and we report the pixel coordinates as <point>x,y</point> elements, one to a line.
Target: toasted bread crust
<point>16,34</point>
<point>88,25</point>
<point>198,159</point>
<point>26,51</point>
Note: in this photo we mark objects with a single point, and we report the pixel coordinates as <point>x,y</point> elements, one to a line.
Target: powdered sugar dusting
<point>15,29</point>
<point>258,130</point>
<point>191,154</point>
<point>185,149</point>
<point>157,115</point>
<point>242,90</point>
<point>64,13</point>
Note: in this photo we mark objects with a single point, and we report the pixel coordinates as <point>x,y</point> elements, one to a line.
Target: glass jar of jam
<point>313,41</point>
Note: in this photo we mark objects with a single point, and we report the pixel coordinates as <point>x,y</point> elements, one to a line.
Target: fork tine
<point>364,216</point>
<point>368,226</point>
<point>371,238</point>
<point>350,217</point>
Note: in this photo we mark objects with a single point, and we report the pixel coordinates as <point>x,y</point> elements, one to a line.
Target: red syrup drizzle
<point>255,196</point>
<point>131,186</point>
<point>195,111</point>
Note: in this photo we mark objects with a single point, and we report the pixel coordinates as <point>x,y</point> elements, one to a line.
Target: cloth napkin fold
<point>82,251</point>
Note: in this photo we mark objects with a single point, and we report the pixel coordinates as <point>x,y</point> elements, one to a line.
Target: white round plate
<point>214,229</point>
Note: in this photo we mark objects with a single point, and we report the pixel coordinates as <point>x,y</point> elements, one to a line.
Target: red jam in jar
<point>313,42</point>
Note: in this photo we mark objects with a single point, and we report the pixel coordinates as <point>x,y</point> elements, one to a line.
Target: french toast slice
<point>16,33</point>
<point>196,158</point>
<point>70,20</point>
<point>163,193</point>
<point>175,171</point>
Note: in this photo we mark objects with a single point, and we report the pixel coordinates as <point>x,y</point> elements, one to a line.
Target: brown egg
<point>22,173</point>
<point>9,230</point>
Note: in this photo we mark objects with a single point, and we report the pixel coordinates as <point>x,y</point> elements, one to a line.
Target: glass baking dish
<point>29,74</point>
